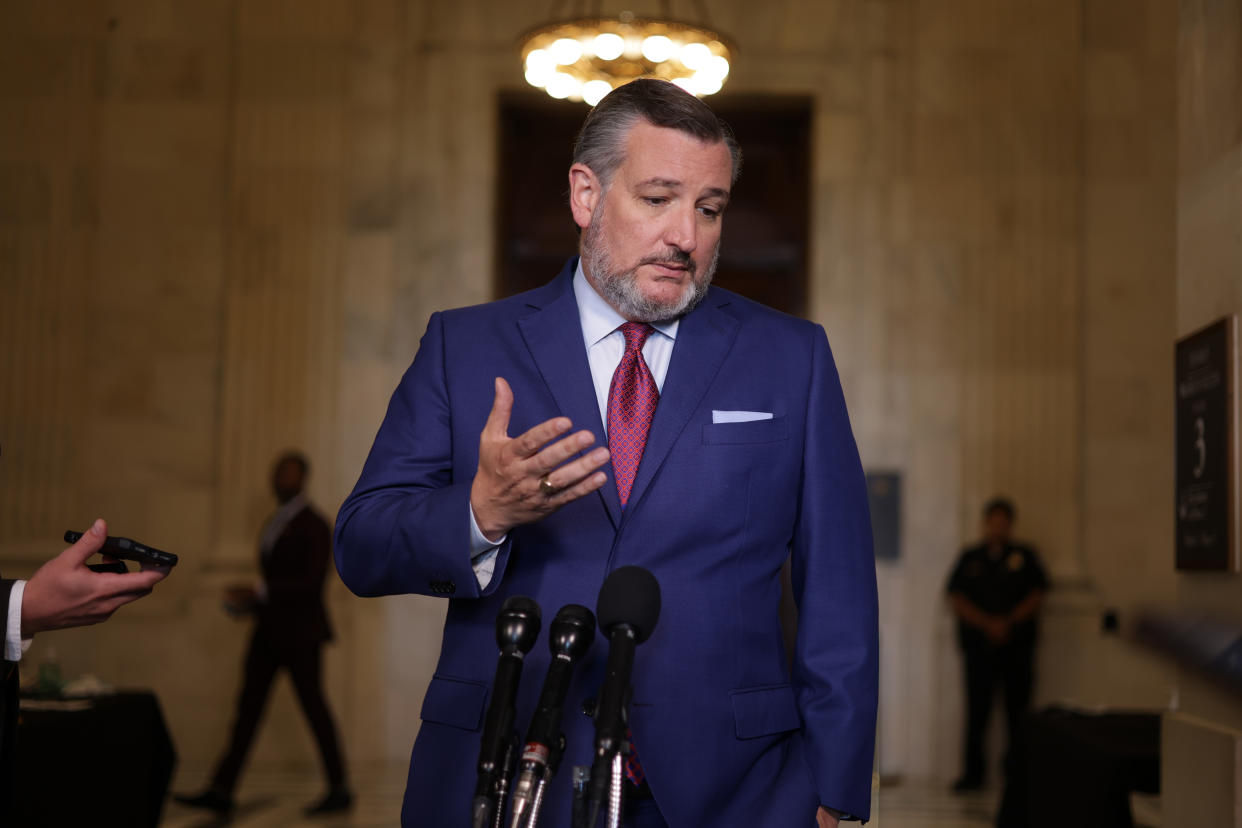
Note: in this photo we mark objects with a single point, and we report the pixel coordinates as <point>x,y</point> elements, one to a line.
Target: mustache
<point>674,257</point>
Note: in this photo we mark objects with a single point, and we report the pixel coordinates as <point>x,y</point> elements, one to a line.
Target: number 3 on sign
<point>1201,446</point>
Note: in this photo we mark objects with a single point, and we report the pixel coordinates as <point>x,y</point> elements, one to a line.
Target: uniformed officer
<point>996,590</point>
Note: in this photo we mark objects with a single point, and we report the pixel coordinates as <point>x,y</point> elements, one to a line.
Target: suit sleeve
<point>9,692</point>
<point>6,589</point>
<point>836,656</point>
<point>405,528</point>
<point>300,564</point>
<point>8,669</point>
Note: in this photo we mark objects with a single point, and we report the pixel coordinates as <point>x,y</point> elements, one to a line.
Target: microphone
<point>569,638</point>
<point>517,627</point>
<point>628,608</point>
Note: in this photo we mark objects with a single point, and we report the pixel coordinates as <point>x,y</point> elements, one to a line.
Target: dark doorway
<point>764,253</point>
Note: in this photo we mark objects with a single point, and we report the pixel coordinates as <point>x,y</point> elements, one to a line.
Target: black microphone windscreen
<point>572,631</point>
<point>518,623</point>
<point>630,595</point>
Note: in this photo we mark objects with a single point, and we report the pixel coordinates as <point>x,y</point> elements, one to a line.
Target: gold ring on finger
<point>545,486</point>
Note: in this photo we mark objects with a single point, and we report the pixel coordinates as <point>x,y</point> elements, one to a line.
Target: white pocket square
<point>739,416</point>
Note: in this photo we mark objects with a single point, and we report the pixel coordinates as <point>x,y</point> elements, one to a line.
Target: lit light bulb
<point>657,48</point>
<point>566,50</point>
<point>594,91</point>
<point>705,84</point>
<point>695,55</point>
<point>562,86</point>
<point>717,66</point>
<point>539,68</point>
<point>608,46</point>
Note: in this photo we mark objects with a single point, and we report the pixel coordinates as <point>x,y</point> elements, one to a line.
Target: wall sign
<point>1207,445</point>
<point>884,497</point>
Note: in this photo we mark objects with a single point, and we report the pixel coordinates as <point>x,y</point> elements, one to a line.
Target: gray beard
<point>620,288</point>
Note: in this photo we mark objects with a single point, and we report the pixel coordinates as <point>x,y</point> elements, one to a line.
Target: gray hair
<point>600,144</point>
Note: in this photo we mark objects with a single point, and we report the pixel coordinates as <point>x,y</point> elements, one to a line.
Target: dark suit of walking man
<point>748,459</point>
<point>291,627</point>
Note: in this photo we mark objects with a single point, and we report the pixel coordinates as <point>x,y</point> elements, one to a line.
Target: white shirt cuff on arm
<point>14,644</point>
<point>482,552</point>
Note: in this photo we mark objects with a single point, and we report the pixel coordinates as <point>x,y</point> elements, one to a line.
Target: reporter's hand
<point>823,819</point>
<point>505,492</point>
<point>64,593</point>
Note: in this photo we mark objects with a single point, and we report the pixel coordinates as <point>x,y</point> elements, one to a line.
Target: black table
<point>1076,770</point>
<point>106,765</point>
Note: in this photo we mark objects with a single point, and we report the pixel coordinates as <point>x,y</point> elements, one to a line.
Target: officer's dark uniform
<point>996,585</point>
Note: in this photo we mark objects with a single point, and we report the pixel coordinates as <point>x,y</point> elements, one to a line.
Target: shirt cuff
<point>14,644</point>
<point>482,552</point>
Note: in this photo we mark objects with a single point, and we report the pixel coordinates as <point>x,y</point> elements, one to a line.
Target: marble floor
<point>274,798</point>
<point>933,806</point>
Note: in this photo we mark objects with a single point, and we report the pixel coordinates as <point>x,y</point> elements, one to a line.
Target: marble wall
<point>223,226</point>
<point>1209,286</point>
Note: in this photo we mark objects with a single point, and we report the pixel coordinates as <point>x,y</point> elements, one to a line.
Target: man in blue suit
<point>731,451</point>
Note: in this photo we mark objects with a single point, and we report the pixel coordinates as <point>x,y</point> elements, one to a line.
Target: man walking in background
<point>291,627</point>
<point>996,590</point>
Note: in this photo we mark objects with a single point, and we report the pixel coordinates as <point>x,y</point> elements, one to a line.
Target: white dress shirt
<point>605,345</point>
<point>14,644</point>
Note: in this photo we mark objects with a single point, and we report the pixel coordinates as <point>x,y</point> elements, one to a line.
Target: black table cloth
<point>106,765</point>
<point>1076,770</point>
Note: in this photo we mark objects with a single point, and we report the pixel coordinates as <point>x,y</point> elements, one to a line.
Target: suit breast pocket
<point>754,431</point>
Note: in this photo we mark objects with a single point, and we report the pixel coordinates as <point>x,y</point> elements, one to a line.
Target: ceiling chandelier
<point>585,59</point>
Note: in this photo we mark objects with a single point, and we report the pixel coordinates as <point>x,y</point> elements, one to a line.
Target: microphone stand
<point>555,755</point>
<point>628,608</point>
<point>580,781</point>
<point>517,627</point>
<point>503,776</point>
<point>615,769</point>
<point>614,791</point>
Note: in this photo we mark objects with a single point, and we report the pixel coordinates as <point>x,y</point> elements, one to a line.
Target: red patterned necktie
<point>633,769</point>
<point>632,399</point>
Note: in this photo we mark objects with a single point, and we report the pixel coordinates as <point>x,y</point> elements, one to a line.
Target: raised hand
<point>522,479</point>
<point>65,593</point>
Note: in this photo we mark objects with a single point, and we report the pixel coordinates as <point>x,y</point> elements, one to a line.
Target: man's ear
<point>585,191</point>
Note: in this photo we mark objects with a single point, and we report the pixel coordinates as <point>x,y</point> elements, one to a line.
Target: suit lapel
<point>554,337</point>
<point>704,338</point>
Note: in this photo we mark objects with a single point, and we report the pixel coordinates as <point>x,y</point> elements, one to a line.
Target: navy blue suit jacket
<point>726,734</point>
